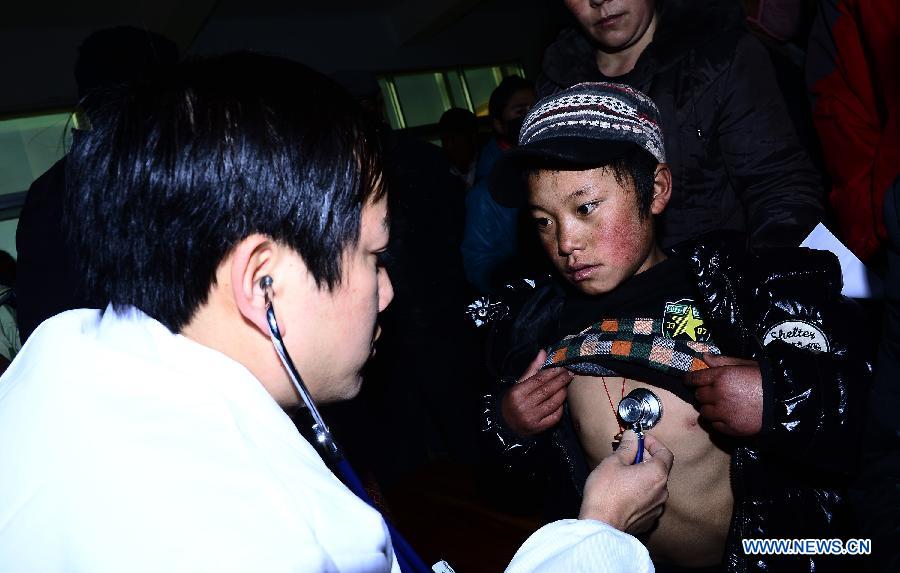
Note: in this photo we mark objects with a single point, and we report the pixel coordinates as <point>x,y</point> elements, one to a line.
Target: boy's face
<point>591,227</point>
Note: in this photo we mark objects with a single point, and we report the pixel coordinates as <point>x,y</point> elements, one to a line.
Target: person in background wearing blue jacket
<point>489,240</point>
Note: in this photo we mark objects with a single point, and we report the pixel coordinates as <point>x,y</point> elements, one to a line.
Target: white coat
<point>124,447</point>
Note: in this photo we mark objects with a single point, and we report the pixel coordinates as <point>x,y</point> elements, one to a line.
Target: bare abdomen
<point>694,526</point>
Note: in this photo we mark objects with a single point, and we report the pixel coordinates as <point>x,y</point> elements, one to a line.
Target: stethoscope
<point>320,430</point>
<point>641,409</point>
<point>407,558</point>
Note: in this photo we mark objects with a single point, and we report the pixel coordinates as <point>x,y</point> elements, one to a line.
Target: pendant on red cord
<point>617,439</point>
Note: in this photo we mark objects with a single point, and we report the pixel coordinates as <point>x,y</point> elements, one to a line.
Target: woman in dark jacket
<point>735,158</point>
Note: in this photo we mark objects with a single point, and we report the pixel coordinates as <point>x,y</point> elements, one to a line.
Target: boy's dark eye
<point>542,222</point>
<point>587,208</point>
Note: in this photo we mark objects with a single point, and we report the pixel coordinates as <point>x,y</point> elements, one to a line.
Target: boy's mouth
<point>580,272</point>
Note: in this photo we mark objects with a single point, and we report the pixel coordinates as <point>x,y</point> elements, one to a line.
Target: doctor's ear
<point>253,262</point>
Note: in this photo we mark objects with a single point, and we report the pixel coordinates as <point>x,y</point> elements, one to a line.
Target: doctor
<point>151,436</point>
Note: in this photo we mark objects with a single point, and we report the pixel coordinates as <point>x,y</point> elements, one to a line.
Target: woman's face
<point>614,24</point>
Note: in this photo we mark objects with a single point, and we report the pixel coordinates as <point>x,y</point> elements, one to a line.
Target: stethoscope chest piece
<point>641,409</point>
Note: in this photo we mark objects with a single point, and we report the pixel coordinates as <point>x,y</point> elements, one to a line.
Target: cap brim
<point>508,184</point>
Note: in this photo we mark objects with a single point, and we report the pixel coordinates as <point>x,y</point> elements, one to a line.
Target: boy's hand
<point>730,394</point>
<point>535,404</point>
<point>629,497</point>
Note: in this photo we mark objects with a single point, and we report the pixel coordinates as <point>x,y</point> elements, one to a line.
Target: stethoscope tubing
<point>407,558</point>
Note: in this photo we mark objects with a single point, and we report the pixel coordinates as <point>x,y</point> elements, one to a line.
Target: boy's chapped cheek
<point>622,244</point>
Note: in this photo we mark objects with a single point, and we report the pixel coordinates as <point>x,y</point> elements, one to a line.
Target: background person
<point>48,270</point>
<point>851,73</point>
<point>458,130</point>
<point>490,245</point>
<point>426,203</point>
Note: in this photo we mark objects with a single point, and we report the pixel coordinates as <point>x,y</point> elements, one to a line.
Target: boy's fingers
<point>721,427</point>
<point>551,420</point>
<point>711,414</point>
<point>547,387</point>
<point>535,365</point>
<point>706,395</point>
<point>716,360</point>
<point>553,403</point>
<point>700,377</point>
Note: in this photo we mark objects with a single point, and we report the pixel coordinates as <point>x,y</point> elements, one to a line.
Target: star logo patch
<point>682,320</point>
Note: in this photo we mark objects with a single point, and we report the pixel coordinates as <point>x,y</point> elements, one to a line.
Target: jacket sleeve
<point>845,114</point>
<point>512,343</point>
<point>814,396</point>
<point>755,303</point>
<point>512,447</point>
<point>771,172</point>
<point>813,406</point>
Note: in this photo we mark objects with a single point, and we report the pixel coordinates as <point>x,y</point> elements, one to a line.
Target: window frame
<point>392,98</point>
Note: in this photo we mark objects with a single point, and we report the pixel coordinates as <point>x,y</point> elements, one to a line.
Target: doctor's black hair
<point>179,168</point>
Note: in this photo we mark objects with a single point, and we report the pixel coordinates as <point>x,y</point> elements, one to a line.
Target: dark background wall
<point>38,40</point>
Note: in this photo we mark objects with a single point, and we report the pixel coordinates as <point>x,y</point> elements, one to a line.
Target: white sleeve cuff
<point>575,545</point>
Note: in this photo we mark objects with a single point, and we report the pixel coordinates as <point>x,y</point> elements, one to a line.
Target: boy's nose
<point>567,241</point>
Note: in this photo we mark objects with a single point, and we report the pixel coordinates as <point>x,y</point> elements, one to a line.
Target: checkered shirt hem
<point>638,340</point>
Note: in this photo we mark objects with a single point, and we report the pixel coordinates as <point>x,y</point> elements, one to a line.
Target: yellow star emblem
<point>687,324</point>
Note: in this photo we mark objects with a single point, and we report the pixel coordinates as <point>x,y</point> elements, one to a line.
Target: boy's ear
<point>662,188</point>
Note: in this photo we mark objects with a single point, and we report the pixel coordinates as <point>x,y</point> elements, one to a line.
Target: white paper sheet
<point>859,282</point>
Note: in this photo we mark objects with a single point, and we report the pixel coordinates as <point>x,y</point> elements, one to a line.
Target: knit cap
<point>587,125</point>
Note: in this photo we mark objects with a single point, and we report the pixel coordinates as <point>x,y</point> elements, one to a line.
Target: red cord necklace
<point>617,439</point>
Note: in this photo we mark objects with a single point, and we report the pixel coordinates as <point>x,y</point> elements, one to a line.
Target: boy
<point>623,315</point>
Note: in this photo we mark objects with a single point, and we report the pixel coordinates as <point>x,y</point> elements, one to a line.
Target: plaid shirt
<point>595,350</point>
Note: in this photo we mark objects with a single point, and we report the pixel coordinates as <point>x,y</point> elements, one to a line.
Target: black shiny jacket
<point>790,480</point>
<point>736,160</point>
